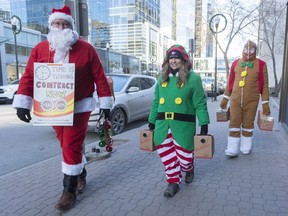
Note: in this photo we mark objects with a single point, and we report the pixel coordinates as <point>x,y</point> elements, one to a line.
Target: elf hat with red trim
<point>181,50</point>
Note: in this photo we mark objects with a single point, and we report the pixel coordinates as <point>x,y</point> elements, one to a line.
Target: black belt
<point>175,116</point>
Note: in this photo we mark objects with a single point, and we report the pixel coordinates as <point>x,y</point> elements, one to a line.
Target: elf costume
<point>173,115</point>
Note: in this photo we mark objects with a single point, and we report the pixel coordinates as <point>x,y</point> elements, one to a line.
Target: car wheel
<point>118,121</point>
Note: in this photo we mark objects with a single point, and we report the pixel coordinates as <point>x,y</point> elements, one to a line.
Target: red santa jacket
<point>88,72</point>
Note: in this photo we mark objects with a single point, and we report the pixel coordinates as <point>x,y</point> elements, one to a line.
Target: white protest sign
<point>54,86</point>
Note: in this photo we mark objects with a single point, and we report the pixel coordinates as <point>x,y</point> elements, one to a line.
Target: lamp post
<point>216,21</point>
<point>16,28</point>
<point>2,40</point>
<point>153,59</point>
<point>107,48</point>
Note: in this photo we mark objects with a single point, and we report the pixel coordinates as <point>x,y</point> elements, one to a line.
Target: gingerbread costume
<point>248,79</point>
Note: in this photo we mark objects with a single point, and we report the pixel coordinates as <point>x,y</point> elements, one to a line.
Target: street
<point>132,181</point>
<point>23,144</point>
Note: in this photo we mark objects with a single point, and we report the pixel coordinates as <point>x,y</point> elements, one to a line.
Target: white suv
<point>133,98</point>
<point>7,92</point>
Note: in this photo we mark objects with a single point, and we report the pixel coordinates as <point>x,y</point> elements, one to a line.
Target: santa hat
<point>62,13</point>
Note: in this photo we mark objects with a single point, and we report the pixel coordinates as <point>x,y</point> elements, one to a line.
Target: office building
<point>144,29</point>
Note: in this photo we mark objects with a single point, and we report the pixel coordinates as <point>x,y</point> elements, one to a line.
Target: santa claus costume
<point>63,45</point>
<point>248,79</point>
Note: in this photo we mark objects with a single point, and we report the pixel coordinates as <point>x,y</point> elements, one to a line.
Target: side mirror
<point>133,89</point>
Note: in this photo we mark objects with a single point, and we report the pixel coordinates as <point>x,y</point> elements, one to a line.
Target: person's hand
<point>24,114</point>
<point>204,129</point>
<point>106,113</point>
<point>266,109</point>
<point>223,103</point>
<point>151,126</point>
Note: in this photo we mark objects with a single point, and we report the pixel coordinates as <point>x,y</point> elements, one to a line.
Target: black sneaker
<point>189,177</point>
<point>171,190</point>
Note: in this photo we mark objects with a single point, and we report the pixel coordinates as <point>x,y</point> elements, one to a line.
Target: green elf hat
<point>177,49</point>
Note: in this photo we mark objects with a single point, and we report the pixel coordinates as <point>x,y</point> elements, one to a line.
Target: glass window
<point>136,82</point>
<point>119,82</point>
<point>147,83</point>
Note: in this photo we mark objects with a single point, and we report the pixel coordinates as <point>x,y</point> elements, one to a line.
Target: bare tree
<point>271,34</point>
<point>239,17</point>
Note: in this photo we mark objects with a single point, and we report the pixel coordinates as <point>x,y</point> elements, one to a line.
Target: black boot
<point>68,197</point>
<point>171,190</point>
<point>82,181</point>
<point>189,177</point>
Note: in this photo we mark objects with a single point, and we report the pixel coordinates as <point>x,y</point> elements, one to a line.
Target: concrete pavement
<point>131,182</point>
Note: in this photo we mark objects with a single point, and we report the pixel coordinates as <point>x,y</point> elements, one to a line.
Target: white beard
<point>61,41</point>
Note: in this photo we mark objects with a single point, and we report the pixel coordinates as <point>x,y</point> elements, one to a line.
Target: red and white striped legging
<point>175,159</point>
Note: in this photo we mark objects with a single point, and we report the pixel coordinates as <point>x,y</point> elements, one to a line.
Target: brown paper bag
<point>265,122</point>
<point>146,140</point>
<point>223,115</point>
<point>203,146</point>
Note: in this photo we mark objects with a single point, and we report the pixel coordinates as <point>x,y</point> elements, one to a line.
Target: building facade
<point>34,13</point>
<point>26,40</point>
<point>130,27</point>
<point>134,28</point>
<point>201,26</point>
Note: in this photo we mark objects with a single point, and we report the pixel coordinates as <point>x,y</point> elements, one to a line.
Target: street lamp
<point>216,21</point>
<point>107,48</point>
<point>16,28</point>
<point>153,59</point>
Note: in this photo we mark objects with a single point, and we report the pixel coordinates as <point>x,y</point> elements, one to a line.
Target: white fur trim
<point>246,129</point>
<point>246,145</point>
<point>73,170</point>
<point>171,75</point>
<point>234,129</point>
<point>85,105</point>
<point>232,146</point>
<point>263,102</point>
<point>225,96</point>
<point>58,15</point>
<point>22,101</point>
<point>106,102</point>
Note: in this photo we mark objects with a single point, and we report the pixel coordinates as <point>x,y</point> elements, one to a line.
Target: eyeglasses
<point>61,24</point>
<point>251,50</point>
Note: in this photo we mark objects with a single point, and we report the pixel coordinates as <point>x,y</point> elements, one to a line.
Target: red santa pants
<point>175,159</point>
<point>71,139</point>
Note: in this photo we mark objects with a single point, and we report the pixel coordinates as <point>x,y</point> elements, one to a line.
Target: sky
<point>236,47</point>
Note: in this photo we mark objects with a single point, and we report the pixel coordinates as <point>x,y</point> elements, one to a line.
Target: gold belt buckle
<point>169,115</point>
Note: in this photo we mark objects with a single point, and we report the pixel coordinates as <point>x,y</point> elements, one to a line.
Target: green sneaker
<point>171,190</point>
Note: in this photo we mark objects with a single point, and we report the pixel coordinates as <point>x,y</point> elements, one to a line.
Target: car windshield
<point>119,82</point>
<point>208,80</point>
<point>15,82</point>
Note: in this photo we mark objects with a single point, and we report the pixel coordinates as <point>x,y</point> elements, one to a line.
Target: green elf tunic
<point>187,99</point>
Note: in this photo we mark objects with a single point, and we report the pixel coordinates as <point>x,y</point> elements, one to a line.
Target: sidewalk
<point>131,182</point>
